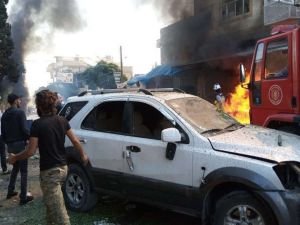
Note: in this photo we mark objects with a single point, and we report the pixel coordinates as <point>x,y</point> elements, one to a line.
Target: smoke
<point>28,16</point>
<point>171,10</point>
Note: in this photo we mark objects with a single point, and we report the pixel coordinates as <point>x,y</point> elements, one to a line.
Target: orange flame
<point>237,104</point>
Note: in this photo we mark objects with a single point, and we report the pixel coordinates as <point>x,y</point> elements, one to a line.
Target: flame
<point>237,103</point>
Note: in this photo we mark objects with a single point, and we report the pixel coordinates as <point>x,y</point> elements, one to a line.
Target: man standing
<point>220,98</point>
<point>48,135</point>
<point>3,153</point>
<point>15,134</point>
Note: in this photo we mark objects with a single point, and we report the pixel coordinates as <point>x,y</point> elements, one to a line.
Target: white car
<point>174,150</point>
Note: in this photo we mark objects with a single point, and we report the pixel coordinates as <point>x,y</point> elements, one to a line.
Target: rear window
<point>71,109</point>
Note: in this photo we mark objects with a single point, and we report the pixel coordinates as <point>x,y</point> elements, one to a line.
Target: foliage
<point>99,76</point>
<point>8,67</point>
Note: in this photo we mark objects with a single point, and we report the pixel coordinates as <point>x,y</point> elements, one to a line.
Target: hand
<point>11,158</point>
<point>85,159</point>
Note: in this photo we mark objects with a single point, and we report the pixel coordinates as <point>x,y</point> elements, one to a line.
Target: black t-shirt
<point>51,131</point>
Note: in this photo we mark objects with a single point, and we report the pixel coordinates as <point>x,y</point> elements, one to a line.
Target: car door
<point>277,81</point>
<point>102,136</point>
<point>149,174</point>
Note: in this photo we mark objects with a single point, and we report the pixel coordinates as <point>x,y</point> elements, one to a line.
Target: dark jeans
<point>21,166</point>
<point>3,155</point>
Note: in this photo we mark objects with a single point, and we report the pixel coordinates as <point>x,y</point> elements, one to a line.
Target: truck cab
<point>274,82</point>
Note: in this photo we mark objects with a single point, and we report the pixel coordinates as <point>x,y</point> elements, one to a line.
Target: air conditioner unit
<point>281,12</point>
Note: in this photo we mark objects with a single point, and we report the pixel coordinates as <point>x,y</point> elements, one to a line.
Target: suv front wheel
<point>242,208</point>
<point>77,190</point>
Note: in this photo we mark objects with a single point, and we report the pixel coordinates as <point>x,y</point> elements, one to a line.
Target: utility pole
<point>121,60</point>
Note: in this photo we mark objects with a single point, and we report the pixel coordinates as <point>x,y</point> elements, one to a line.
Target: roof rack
<point>145,91</point>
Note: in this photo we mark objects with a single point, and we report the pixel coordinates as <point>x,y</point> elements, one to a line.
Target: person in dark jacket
<point>48,135</point>
<point>3,153</point>
<point>15,134</point>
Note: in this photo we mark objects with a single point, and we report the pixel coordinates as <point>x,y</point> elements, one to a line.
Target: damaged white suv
<point>174,150</point>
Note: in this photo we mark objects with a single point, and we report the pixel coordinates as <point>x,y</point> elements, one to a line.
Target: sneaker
<point>10,195</point>
<point>6,172</point>
<point>25,201</point>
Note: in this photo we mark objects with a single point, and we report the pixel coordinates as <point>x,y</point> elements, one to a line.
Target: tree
<point>8,67</point>
<point>99,76</point>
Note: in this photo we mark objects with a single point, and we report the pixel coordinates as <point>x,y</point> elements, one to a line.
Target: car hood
<point>259,142</point>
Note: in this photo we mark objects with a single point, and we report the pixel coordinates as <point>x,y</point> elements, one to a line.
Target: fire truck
<point>274,87</point>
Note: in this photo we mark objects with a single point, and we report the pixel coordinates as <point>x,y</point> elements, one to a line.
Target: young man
<point>15,133</point>
<point>48,134</point>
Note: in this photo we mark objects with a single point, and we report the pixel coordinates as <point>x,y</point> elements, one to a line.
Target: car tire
<point>242,208</point>
<point>77,190</point>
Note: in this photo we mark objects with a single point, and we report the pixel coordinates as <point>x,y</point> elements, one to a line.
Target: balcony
<point>281,12</point>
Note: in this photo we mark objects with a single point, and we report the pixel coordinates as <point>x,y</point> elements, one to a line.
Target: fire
<point>237,104</point>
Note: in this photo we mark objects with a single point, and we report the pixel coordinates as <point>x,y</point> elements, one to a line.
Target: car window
<point>71,109</point>
<point>277,59</point>
<point>201,114</point>
<point>148,122</point>
<point>106,117</point>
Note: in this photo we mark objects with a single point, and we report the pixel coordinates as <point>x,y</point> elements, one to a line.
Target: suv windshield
<point>202,115</point>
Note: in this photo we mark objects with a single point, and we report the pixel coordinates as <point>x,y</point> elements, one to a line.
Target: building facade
<point>64,68</point>
<point>219,28</point>
<point>212,43</point>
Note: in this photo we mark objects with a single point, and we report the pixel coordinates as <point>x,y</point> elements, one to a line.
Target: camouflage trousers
<point>51,182</point>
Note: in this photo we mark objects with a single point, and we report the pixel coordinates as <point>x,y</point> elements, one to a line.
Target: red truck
<point>274,87</point>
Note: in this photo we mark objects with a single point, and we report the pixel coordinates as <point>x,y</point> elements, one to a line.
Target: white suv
<point>174,150</point>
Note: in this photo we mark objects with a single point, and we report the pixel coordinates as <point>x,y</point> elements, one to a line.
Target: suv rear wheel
<point>77,190</point>
<point>241,208</point>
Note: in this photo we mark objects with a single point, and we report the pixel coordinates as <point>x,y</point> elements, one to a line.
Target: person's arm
<point>77,146</point>
<point>30,151</point>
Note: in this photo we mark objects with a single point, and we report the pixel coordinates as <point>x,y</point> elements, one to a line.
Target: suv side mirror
<point>243,77</point>
<point>170,135</point>
<point>242,74</point>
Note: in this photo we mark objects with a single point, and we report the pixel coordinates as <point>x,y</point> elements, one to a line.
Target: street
<point>186,104</point>
<point>108,211</point>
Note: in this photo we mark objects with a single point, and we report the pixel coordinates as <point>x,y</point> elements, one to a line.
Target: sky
<point>107,27</point>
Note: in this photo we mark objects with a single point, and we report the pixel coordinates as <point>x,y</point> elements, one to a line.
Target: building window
<point>232,8</point>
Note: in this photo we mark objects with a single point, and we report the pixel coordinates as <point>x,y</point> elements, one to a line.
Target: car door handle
<point>129,160</point>
<point>133,148</point>
<point>84,141</point>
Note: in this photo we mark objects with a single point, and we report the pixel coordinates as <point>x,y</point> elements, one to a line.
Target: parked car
<point>174,150</point>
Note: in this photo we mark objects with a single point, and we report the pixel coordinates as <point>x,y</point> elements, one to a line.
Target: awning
<point>135,79</point>
<point>163,70</point>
